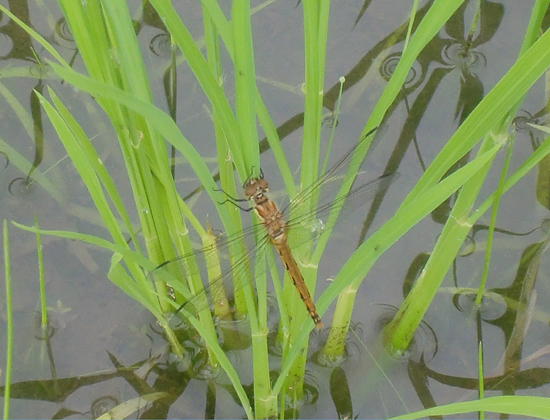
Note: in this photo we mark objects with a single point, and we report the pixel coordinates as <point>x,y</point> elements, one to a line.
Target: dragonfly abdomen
<point>294,272</point>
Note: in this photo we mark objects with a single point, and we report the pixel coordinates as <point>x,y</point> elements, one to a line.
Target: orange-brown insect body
<point>255,190</point>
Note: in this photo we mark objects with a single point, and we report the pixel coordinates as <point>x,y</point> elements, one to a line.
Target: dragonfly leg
<point>233,200</point>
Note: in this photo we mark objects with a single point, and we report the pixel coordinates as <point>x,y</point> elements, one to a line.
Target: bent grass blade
<point>301,226</point>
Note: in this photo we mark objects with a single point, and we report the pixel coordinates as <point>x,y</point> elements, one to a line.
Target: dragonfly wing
<point>326,187</point>
<point>223,262</point>
<point>235,276</point>
<point>312,224</point>
<point>225,278</point>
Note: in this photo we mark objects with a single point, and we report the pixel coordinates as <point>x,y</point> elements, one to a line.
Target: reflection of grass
<point>106,40</point>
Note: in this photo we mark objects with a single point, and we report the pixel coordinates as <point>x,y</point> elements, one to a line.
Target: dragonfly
<point>275,226</point>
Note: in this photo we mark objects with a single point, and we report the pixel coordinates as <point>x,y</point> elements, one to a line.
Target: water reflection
<point>103,405</point>
<point>424,343</point>
<point>508,383</point>
<point>19,187</point>
<point>160,45</point>
<point>63,37</point>
<point>415,75</point>
<point>340,394</point>
<point>461,55</point>
<point>492,306</point>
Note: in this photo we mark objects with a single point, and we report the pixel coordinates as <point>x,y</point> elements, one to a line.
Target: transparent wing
<point>226,262</point>
<point>330,182</point>
<point>312,224</point>
<point>307,223</point>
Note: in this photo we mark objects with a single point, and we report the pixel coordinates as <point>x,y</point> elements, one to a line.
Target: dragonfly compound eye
<point>255,185</point>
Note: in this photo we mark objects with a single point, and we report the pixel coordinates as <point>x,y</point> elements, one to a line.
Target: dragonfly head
<point>254,186</point>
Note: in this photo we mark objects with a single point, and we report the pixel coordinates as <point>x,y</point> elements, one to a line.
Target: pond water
<point>99,336</point>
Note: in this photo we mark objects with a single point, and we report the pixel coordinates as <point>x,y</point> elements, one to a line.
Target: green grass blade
<point>41,280</point>
<point>245,83</point>
<point>531,407</point>
<point>535,24</point>
<point>493,221</point>
<point>480,375</point>
<point>9,322</point>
